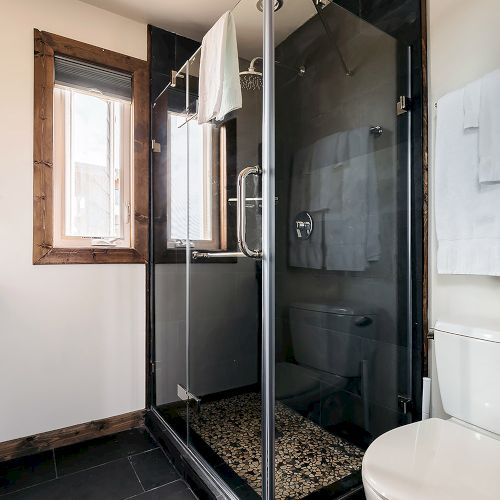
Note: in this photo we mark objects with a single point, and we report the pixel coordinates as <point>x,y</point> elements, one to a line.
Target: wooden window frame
<point>44,252</point>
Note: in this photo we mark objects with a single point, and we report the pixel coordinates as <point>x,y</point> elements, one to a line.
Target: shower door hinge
<point>404,403</point>
<point>185,395</point>
<point>403,105</point>
<point>173,77</point>
<point>155,146</point>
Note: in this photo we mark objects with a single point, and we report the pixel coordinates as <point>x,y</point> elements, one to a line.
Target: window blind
<point>74,73</point>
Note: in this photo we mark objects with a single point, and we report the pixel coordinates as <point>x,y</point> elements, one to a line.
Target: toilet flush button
<point>363,321</point>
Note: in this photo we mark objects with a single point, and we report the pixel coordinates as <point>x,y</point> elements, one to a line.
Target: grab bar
<point>241,212</point>
<point>217,255</point>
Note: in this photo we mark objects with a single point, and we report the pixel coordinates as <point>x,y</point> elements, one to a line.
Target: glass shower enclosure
<point>282,254</point>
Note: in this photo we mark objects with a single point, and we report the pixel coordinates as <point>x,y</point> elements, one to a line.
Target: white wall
<point>71,337</point>
<point>464,44</point>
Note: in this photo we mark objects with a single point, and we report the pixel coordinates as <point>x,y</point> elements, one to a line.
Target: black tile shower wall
<point>162,50</point>
<point>169,51</point>
<point>398,18</point>
<point>403,20</point>
<point>323,102</point>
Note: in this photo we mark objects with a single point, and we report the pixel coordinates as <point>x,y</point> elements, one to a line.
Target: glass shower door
<point>169,163</point>
<point>343,317</point>
<point>224,276</point>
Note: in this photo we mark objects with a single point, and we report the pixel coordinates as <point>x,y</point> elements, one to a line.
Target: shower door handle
<point>241,212</point>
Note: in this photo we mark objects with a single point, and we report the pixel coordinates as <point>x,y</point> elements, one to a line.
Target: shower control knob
<point>303,225</point>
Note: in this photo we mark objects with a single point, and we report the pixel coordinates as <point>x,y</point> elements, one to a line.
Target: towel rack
<point>376,131</point>
<point>217,255</point>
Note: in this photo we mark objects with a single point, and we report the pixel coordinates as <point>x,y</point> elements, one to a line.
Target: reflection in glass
<point>200,178</point>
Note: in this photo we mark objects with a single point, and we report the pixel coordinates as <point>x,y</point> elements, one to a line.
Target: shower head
<point>251,79</point>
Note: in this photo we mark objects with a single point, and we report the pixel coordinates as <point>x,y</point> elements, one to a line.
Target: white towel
<point>304,253</point>
<point>219,86</point>
<point>335,180</point>
<point>352,229</point>
<point>472,100</point>
<point>467,212</point>
<point>489,128</point>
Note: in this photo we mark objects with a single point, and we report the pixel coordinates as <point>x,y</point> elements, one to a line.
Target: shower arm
<point>317,5</point>
<point>300,70</point>
<point>252,63</point>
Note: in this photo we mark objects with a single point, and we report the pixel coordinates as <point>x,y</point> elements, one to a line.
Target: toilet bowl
<point>433,459</point>
<point>371,494</point>
<point>455,459</point>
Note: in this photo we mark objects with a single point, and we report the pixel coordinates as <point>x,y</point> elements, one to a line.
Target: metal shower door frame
<point>268,254</point>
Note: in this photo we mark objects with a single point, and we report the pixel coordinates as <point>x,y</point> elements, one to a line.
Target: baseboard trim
<point>69,435</point>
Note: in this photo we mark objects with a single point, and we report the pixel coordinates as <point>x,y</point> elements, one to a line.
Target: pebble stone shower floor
<point>308,458</point>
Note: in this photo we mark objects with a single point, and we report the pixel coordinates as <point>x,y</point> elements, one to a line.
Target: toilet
<point>458,458</point>
<point>328,346</point>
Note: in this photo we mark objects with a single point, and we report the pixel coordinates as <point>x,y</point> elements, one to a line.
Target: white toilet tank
<point>468,367</point>
<point>331,337</point>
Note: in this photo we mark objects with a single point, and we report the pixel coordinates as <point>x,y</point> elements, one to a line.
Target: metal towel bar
<point>217,255</point>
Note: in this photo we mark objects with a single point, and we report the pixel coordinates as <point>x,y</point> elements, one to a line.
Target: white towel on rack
<point>467,211</point>
<point>352,224</point>
<point>335,181</point>
<point>304,253</point>
<point>489,128</point>
<point>472,101</point>
<point>219,85</point>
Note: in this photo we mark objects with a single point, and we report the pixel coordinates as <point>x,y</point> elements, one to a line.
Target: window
<point>203,183</point>
<point>91,154</point>
<point>212,181</point>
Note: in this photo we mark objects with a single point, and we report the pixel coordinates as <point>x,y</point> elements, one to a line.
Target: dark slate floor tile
<point>99,451</point>
<point>177,490</point>
<point>26,471</point>
<point>112,481</point>
<point>153,469</point>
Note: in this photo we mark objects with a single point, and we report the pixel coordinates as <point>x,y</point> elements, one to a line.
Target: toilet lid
<point>433,460</point>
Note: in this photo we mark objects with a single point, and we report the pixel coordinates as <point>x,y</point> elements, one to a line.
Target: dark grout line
<point>161,486</point>
<point>54,460</point>
<point>59,477</point>
<point>143,452</point>
<point>167,456</point>
<point>105,463</point>
<point>3,495</point>
<point>135,472</point>
<point>90,468</point>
